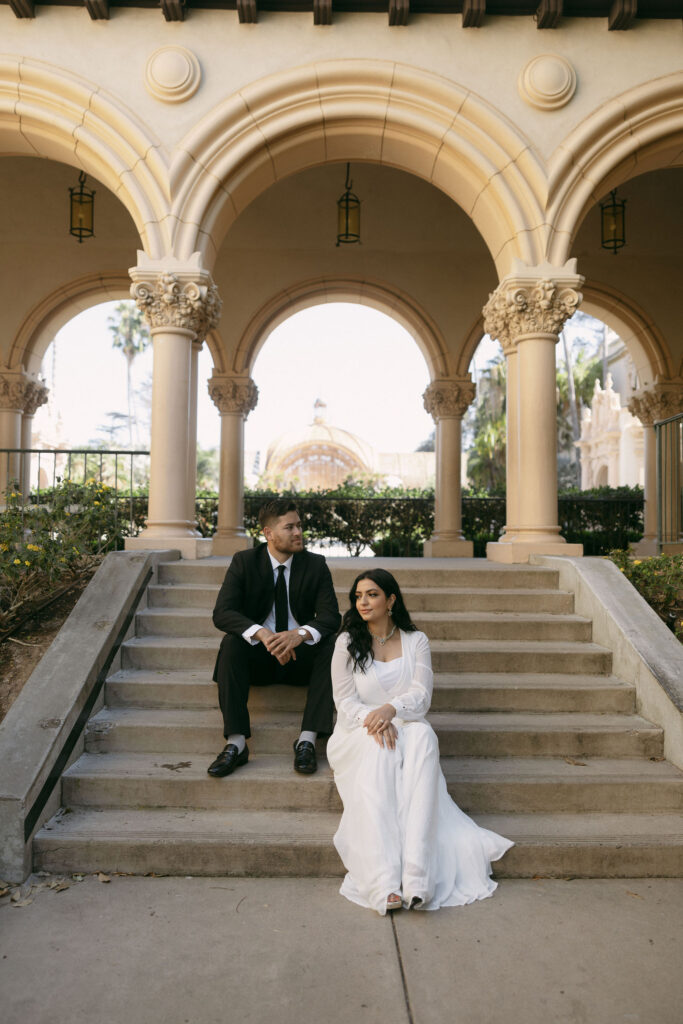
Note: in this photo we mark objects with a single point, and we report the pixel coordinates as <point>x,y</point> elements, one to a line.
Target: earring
<point>389,612</point>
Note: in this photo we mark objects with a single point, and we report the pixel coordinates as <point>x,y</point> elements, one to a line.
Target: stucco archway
<point>51,113</point>
<point>639,131</point>
<point>374,111</point>
<point>389,300</point>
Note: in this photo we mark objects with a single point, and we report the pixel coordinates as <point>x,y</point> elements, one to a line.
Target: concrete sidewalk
<point>250,951</point>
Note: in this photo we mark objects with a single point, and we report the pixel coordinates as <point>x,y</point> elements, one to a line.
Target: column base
<point>229,545</point>
<point>189,547</point>
<point>645,547</point>
<point>672,548</point>
<point>512,551</point>
<point>437,547</point>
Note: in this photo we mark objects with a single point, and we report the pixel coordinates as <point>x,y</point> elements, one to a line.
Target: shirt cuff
<point>248,634</point>
<point>315,635</point>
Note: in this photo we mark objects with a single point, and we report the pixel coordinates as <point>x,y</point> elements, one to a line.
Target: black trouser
<point>240,665</point>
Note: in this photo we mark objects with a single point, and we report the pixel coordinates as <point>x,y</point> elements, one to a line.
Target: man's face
<point>284,535</point>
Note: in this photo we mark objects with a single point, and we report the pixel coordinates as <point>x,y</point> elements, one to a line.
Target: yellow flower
<point>4,547</point>
<point>17,561</point>
<point>27,563</point>
<point>14,494</point>
<point>33,547</point>
<point>95,502</point>
<point>621,570</point>
<point>62,559</point>
<point>637,561</point>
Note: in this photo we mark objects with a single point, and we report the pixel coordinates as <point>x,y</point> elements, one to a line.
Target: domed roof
<point>320,435</point>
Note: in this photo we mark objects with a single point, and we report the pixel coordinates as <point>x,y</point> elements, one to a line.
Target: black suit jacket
<point>247,594</point>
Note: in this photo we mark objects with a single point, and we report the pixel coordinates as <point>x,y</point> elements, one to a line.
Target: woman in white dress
<point>402,839</point>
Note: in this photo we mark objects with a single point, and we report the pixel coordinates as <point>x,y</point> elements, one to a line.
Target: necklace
<point>382,639</point>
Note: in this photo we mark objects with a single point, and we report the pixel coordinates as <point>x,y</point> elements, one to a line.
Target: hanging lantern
<point>348,215</point>
<point>82,223</point>
<point>613,222</point>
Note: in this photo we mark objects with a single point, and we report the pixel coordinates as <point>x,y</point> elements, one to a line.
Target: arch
<point>643,340</point>
<point>639,131</point>
<point>51,113</point>
<point>57,309</point>
<point>361,110</point>
<point>386,299</point>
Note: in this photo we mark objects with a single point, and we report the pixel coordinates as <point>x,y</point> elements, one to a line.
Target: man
<point>279,612</point>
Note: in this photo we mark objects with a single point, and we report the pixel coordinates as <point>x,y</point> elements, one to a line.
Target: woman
<point>402,839</point>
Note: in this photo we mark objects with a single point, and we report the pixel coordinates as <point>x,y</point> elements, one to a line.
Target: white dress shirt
<point>248,634</point>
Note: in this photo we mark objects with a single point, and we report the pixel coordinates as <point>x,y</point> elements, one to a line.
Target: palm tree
<point>131,334</point>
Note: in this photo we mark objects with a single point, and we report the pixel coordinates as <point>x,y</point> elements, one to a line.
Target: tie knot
<point>281,570</point>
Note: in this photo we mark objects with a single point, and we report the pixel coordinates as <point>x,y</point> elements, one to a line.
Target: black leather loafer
<point>228,759</point>
<point>304,758</point>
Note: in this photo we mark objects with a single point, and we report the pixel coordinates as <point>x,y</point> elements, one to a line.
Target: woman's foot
<point>415,902</point>
<point>394,901</point>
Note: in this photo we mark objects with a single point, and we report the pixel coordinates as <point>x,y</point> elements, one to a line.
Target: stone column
<point>192,440</point>
<point>447,402</point>
<point>36,396</point>
<point>181,304</point>
<point>526,314</point>
<point>234,397</point>
<point>16,391</point>
<point>657,402</point>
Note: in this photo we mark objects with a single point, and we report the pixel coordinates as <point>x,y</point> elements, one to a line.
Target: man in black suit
<point>278,609</point>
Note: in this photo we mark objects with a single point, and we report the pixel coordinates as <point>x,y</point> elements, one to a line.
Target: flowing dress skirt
<point>400,830</point>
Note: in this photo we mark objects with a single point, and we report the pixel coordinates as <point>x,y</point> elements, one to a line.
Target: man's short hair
<point>273,509</point>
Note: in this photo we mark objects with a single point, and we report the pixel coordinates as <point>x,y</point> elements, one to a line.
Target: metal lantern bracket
<point>348,214</point>
<point>82,210</point>
<point>613,223</point>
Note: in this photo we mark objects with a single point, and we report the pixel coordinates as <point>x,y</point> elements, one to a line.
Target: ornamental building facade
<point>482,139</point>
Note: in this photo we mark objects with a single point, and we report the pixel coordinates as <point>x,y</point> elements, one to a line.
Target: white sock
<point>307,737</point>
<point>239,741</point>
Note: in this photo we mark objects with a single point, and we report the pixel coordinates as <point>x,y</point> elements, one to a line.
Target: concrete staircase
<point>539,741</point>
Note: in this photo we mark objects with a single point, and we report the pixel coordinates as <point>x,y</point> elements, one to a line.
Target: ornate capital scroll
<point>21,393</point>
<point>533,300</point>
<point>449,398</point>
<point>658,402</point>
<point>174,294</point>
<point>233,394</point>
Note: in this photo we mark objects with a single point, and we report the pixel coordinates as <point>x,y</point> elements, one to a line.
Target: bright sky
<point>361,363</point>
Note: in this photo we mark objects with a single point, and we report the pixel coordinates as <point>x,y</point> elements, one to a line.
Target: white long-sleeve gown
<point>400,830</point>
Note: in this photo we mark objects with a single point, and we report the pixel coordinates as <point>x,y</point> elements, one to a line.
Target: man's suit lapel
<point>265,587</point>
<point>297,575</point>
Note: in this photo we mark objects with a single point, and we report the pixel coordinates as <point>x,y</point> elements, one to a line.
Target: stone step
<point>410,572</point>
<point>515,691</point>
<point>432,599</point>
<point>192,622</point>
<point>188,688</point>
<point>506,784</point>
<point>273,843</point>
<point>447,655</point>
<point>462,734</point>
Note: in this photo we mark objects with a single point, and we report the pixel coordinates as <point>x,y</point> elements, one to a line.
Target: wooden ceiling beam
<point>322,12</point>
<point>399,12</point>
<point>173,10</point>
<point>473,12</point>
<point>622,14</point>
<point>548,13</point>
<point>247,12</point>
<point>23,8</point>
<point>98,9</point>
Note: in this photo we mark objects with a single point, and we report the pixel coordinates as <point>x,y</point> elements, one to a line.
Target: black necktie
<point>281,610</point>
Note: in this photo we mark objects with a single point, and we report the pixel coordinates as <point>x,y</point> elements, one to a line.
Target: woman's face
<point>372,604</point>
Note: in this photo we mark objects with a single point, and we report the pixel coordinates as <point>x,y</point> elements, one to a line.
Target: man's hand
<point>281,645</point>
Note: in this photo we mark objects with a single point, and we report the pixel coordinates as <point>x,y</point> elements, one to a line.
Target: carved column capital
<point>174,294</point>
<point>532,300</point>
<point>449,398</point>
<point>233,394</point>
<point>657,402</point>
<point>21,393</point>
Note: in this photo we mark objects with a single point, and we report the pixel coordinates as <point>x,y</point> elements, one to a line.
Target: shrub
<point>660,581</point>
<point>51,546</point>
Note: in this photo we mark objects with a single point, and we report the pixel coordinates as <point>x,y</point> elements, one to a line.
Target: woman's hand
<point>378,720</point>
<point>386,737</point>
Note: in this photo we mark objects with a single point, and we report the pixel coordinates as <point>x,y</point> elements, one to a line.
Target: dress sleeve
<point>346,699</point>
<point>414,702</point>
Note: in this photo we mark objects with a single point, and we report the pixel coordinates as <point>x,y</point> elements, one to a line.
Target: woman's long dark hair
<point>360,640</point>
